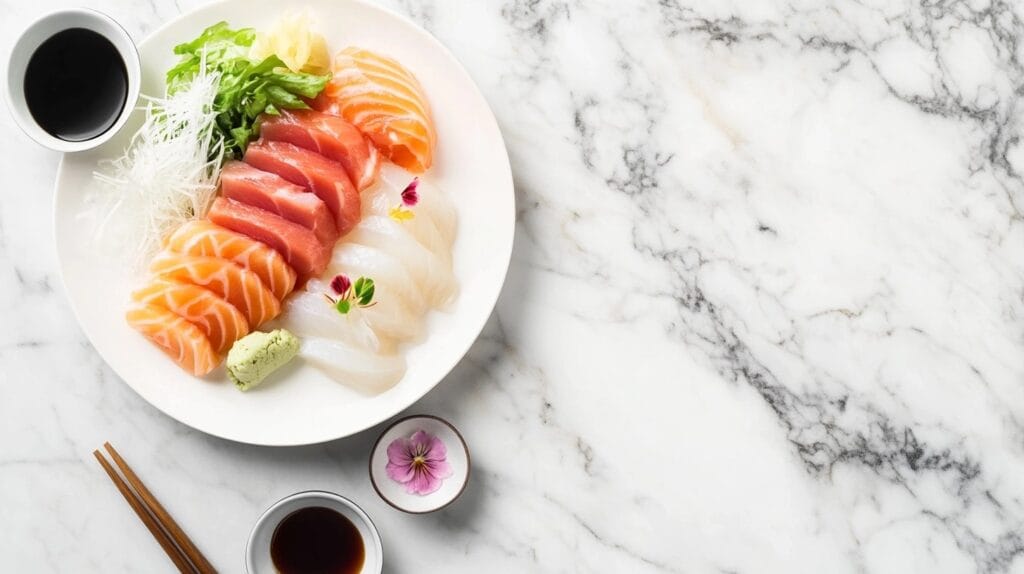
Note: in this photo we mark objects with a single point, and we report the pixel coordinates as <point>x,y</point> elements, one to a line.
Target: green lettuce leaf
<point>247,88</point>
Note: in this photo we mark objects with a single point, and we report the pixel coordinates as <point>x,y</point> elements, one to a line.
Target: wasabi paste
<point>258,354</point>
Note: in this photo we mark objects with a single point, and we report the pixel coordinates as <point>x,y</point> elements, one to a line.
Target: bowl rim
<point>92,20</point>
<point>465,448</point>
<point>313,494</point>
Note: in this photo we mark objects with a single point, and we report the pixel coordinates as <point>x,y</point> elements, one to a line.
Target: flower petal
<point>440,469</point>
<point>401,473</point>
<point>400,451</point>
<point>340,284</point>
<point>410,196</point>
<point>400,214</point>
<point>421,441</point>
<point>423,483</point>
<point>436,450</point>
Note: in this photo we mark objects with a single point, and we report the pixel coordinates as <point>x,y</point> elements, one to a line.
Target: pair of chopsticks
<point>172,538</point>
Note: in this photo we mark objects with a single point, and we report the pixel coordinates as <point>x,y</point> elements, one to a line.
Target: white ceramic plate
<point>303,406</point>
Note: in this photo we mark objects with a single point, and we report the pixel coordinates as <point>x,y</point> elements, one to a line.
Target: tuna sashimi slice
<point>328,135</point>
<point>242,182</point>
<point>299,246</point>
<point>203,238</point>
<point>324,177</point>
<point>182,341</point>
<point>239,286</point>
<point>219,320</point>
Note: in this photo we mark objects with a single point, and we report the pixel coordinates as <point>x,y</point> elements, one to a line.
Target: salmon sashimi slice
<point>179,339</point>
<point>237,285</point>
<point>219,320</point>
<point>328,135</point>
<point>242,182</point>
<point>324,177</point>
<point>386,102</point>
<point>299,246</point>
<point>206,239</point>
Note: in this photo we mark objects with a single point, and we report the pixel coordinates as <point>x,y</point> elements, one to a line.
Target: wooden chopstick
<point>201,564</point>
<point>176,556</point>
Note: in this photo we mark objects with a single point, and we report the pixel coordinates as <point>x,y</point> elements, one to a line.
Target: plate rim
<point>505,257</point>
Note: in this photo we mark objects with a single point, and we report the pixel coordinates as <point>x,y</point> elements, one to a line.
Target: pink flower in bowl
<point>420,462</point>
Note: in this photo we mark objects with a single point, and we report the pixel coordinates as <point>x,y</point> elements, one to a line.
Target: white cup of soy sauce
<point>314,531</point>
<point>73,79</point>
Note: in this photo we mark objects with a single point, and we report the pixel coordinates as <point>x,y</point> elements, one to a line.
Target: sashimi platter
<point>302,228</point>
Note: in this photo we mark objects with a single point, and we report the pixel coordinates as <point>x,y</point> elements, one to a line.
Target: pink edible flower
<point>340,284</point>
<point>419,462</point>
<point>410,196</point>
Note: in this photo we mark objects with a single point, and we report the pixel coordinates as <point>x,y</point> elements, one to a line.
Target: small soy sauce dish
<point>314,531</point>
<point>73,79</point>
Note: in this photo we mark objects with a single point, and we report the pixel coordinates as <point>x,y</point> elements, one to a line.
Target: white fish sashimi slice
<point>378,200</point>
<point>390,320</point>
<point>430,272</point>
<point>391,280</point>
<point>381,198</point>
<point>357,368</point>
<point>433,202</point>
<point>309,314</point>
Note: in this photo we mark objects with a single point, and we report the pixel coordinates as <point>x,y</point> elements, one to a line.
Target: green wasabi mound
<point>258,354</point>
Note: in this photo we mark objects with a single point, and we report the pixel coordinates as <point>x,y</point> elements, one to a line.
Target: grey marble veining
<point>765,312</point>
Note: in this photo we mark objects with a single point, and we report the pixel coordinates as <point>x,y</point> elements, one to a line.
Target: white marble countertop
<point>765,311</point>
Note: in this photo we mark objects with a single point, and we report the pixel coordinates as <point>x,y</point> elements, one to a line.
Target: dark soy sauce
<point>317,540</point>
<point>76,85</point>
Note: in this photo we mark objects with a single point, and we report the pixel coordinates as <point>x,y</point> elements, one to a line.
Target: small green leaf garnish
<point>359,293</point>
<point>367,297</point>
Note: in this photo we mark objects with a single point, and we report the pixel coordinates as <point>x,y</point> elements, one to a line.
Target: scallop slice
<point>357,368</point>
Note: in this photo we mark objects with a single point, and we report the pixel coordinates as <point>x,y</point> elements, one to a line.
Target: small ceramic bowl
<point>257,550</point>
<point>42,30</point>
<point>395,493</point>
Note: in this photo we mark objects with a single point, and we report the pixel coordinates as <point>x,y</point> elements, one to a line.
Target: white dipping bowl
<point>42,30</point>
<point>257,550</point>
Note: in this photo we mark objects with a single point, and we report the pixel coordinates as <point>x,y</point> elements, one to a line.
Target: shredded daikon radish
<point>166,176</point>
